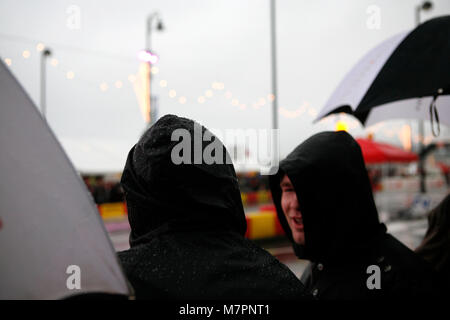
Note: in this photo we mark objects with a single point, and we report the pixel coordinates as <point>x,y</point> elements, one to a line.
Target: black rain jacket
<point>343,235</point>
<point>188,225</point>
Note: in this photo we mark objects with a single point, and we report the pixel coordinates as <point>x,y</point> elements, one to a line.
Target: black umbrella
<point>400,78</point>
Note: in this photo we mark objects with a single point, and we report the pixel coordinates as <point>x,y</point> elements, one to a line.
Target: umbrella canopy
<point>416,108</point>
<point>52,241</point>
<point>394,74</point>
<point>377,152</point>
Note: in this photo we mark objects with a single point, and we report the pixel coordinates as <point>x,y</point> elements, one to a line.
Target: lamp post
<point>148,56</point>
<point>274,74</point>
<point>424,6</point>
<point>159,26</point>
<point>45,53</point>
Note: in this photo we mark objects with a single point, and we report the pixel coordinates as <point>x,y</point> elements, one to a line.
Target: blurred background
<point>101,72</point>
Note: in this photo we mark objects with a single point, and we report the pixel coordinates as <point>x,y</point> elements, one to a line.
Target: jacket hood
<point>162,195</point>
<point>335,198</point>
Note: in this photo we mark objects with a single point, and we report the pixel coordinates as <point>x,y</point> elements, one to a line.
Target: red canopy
<point>377,152</point>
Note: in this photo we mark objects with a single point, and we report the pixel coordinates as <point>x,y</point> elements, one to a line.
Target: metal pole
<point>421,130</point>
<point>148,36</point>
<point>148,43</point>
<point>420,126</point>
<point>148,46</point>
<point>418,9</point>
<point>148,33</point>
<point>274,69</point>
<point>44,55</point>
<point>425,6</point>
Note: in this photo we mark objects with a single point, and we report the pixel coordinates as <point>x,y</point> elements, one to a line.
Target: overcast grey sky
<point>204,42</point>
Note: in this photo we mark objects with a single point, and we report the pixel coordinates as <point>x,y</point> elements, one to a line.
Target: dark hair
<point>436,243</point>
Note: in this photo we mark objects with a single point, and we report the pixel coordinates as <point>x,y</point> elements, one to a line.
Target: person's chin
<point>299,238</point>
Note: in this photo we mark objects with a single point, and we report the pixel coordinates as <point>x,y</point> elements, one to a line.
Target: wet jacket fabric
<point>188,225</point>
<point>435,247</point>
<point>343,235</point>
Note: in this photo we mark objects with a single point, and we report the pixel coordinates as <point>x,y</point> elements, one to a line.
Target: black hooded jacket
<point>188,225</point>
<point>343,235</point>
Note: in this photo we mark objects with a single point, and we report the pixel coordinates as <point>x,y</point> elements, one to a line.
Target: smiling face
<point>289,204</point>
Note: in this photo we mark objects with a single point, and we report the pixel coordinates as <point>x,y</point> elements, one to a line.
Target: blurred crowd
<point>104,191</point>
<point>252,181</point>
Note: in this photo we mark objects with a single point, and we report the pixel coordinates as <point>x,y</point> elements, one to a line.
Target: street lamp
<point>274,75</point>
<point>148,56</point>
<point>159,27</point>
<point>424,6</point>
<point>45,53</point>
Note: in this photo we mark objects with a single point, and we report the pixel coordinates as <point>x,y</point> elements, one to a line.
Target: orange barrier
<point>257,197</point>
<point>244,198</point>
<point>119,209</point>
<point>263,196</point>
<point>263,224</point>
<point>260,224</point>
<point>267,207</point>
<point>111,211</point>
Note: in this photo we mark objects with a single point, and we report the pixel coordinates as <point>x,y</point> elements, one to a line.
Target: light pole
<point>274,74</point>
<point>424,6</point>
<point>149,56</point>
<point>159,26</point>
<point>45,53</point>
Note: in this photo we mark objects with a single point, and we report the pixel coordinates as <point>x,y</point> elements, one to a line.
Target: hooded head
<point>164,194</point>
<point>334,196</point>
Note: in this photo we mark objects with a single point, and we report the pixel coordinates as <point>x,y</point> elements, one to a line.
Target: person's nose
<point>294,203</point>
<point>294,208</point>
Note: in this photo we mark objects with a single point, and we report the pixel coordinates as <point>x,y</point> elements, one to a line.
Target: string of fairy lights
<point>209,93</point>
<point>217,88</point>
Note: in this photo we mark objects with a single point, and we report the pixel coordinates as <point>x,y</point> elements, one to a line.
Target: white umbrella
<point>357,81</point>
<point>406,76</point>
<point>417,108</point>
<point>51,234</point>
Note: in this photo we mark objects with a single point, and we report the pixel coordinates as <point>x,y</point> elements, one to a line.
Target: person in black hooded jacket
<point>188,224</point>
<point>435,246</point>
<point>324,202</point>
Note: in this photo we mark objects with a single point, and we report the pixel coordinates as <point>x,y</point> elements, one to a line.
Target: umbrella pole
<point>425,6</point>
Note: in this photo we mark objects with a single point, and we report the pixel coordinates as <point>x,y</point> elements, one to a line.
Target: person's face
<point>289,204</point>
